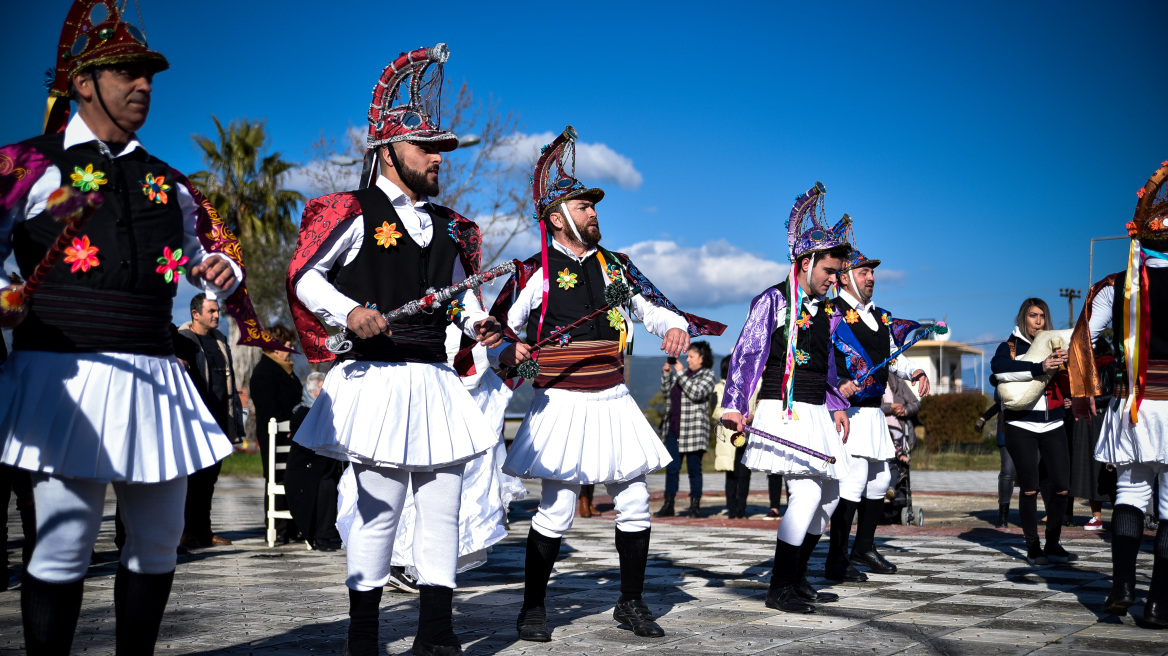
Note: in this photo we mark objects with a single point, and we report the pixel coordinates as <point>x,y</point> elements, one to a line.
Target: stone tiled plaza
<point>962,589</point>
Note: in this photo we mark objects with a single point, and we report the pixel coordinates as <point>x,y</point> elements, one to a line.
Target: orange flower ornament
<point>82,255</point>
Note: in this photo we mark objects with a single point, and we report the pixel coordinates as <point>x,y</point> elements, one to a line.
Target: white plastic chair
<point>272,488</point>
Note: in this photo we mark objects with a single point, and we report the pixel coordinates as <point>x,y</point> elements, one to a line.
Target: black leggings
<point>1024,447</point>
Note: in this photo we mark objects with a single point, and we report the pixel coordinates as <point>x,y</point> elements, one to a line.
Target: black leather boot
<point>1127,529</point>
<point>50,612</point>
<point>139,600</point>
<point>864,548</point>
<point>695,507</point>
<point>838,567</point>
<point>802,585</point>
<point>364,606</point>
<point>542,552</point>
<point>435,623</point>
<point>1003,515</point>
<point>667,509</point>
<point>784,575</point>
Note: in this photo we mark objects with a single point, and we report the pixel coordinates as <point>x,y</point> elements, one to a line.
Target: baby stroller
<point>898,507</point>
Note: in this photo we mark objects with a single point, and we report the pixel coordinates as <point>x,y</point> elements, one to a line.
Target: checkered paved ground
<point>964,593</point>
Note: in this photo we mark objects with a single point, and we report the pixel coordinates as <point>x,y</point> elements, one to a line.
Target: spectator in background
<point>311,480</point>
<point>1035,430</point>
<point>210,367</point>
<point>686,423</point>
<point>275,392</point>
<point>1085,470</point>
<point>727,457</point>
<point>775,494</point>
<point>900,408</point>
<point>1006,473</point>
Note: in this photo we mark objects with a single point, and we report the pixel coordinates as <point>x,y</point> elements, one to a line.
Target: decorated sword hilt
<point>341,343</point>
<point>617,293</point>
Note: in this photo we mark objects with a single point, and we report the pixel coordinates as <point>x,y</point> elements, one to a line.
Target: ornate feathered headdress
<point>551,187</point>
<point>807,231</point>
<point>415,112</point>
<point>1152,208</point>
<point>94,35</point>
<point>856,259</point>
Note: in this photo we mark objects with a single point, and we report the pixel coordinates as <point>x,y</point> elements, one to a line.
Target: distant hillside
<point>644,382</point>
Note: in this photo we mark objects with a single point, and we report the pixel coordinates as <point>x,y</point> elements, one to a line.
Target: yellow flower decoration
<point>616,320</point>
<point>87,179</point>
<point>852,316</point>
<point>455,309</point>
<point>566,280</point>
<point>387,234</point>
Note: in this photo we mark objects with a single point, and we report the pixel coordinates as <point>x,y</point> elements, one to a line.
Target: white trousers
<point>68,517</point>
<point>810,502</point>
<point>557,506</point>
<point>1135,485</point>
<point>381,495</point>
<point>866,478</point>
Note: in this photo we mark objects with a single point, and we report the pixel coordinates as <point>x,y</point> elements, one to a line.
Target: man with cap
<point>93,392</point>
<point>583,426</point>
<point>785,348</point>
<point>391,406</point>
<point>865,338</point>
<point>1134,438</point>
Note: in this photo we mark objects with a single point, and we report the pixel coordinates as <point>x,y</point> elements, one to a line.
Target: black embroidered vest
<point>874,342</point>
<point>393,272</point>
<point>581,292</point>
<point>121,303</point>
<point>814,341</point>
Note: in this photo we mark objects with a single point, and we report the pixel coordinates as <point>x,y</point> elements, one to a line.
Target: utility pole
<point>1070,295</point>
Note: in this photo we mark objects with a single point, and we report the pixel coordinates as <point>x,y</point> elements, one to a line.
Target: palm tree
<point>246,187</point>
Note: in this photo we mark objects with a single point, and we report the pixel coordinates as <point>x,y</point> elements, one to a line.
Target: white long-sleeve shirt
<point>901,366</point>
<point>36,200</point>
<point>1101,305</point>
<point>331,305</point>
<point>657,320</point>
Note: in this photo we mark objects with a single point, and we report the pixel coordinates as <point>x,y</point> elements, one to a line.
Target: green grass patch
<point>956,460</point>
<point>243,464</point>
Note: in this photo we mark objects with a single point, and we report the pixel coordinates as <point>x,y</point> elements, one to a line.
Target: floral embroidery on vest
<point>87,179</point>
<point>566,280</point>
<point>155,188</point>
<point>170,265</point>
<point>387,234</point>
<point>81,254</point>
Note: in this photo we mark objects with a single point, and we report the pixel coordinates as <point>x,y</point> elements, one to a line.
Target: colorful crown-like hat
<point>807,230</point>
<point>94,35</point>
<point>415,112</point>
<point>550,188</point>
<point>857,259</point>
<point>1152,208</point>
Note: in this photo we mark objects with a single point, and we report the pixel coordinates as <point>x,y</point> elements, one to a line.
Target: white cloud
<point>716,273</point>
<point>595,162</point>
<point>310,178</point>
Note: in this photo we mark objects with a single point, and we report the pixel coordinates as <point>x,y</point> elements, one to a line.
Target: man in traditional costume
<point>391,406</point>
<point>1134,438</point>
<point>866,338</point>
<point>786,348</point>
<point>93,394</point>
<point>583,426</point>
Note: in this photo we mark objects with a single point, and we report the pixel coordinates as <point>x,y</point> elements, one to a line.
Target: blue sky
<point>978,146</point>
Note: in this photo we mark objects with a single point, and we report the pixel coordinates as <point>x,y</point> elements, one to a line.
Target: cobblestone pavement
<point>963,590</point>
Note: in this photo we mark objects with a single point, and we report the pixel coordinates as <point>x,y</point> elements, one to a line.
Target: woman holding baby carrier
<point>1036,430</point>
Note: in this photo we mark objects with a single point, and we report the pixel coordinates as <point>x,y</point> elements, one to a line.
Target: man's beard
<point>585,239</point>
<point>417,181</point>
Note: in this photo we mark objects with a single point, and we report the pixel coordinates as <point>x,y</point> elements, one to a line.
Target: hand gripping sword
<point>617,293</point>
<point>341,343</point>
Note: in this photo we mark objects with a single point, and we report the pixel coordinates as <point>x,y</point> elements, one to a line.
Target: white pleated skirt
<point>868,436</point>
<point>1122,443</point>
<point>405,415</point>
<point>105,417</point>
<point>814,429</point>
<point>585,437</point>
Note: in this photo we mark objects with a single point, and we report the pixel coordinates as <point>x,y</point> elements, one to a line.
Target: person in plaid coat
<point>685,426</point>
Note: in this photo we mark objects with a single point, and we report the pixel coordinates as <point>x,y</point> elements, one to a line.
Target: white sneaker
<point>398,578</point>
<point>1095,524</point>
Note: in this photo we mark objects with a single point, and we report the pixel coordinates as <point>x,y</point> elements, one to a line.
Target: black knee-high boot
<point>864,548</point>
<point>1054,529</point>
<point>541,558</point>
<point>50,612</point>
<point>435,623</point>
<point>139,601</point>
<point>838,567</point>
<point>364,606</point>
<point>633,549</point>
<point>784,575</point>
<point>1127,529</point>
<point>1156,608</point>
<point>802,585</point>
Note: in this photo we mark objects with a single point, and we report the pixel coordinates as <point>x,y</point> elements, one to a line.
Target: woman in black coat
<point>275,391</point>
